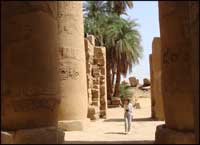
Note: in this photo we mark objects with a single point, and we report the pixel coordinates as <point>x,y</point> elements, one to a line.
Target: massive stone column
<point>156,92</point>
<point>178,45</point>
<point>73,108</point>
<point>29,73</point>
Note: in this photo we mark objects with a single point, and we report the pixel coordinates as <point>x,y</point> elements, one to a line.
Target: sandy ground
<point>111,130</point>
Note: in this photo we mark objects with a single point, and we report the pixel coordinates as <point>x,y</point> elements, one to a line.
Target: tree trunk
<point>109,87</point>
<point>117,84</point>
<point>113,77</point>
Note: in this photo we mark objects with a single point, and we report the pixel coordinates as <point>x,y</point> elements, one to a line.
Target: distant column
<point>156,93</point>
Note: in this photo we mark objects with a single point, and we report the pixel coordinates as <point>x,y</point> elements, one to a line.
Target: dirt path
<point>111,130</point>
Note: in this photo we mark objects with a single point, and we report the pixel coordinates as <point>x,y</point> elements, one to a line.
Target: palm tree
<point>119,7</point>
<point>126,47</point>
<point>93,8</point>
<point>119,36</point>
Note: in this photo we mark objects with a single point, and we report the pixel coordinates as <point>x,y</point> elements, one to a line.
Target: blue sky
<point>146,14</point>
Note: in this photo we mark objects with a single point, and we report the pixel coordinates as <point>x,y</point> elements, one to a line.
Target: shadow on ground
<point>122,120</point>
<point>122,133</point>
<point>111,142</point>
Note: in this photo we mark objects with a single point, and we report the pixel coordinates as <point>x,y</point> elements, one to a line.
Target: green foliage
<point>126,91</point>
<point>120,36</point>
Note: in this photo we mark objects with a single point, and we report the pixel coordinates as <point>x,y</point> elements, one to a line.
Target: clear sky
<point>146,14</point>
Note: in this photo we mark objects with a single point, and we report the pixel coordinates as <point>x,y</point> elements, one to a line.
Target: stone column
<point>156,92</point>
<point>194,36</point>
<point>73,108</point>
<point>29,73</point>
<point>177,71</point>
<point>152,90</point>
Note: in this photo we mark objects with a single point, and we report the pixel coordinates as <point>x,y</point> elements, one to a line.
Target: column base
<point>47,135</point>
<point>93,113</point>
<point>165,135</point>
<point>73,125</point>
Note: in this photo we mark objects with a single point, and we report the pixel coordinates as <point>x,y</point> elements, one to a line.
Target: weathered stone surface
<point>156,92</point>
<point>73,125</point>
<point>179,25</point>
<point>133,81</point>
<point>177,68</point>
<point>48,135</point>
<point>102,91</point>
<point>29,65</point>
<point>100,76</point>
<point>74,102</point>
<point>165,135</point>
<point>146,82</point>
<point>7,138</point>
<point>91,38</point>
<point>116,101</point>
<point>95,93</point>
<point>93,112</point>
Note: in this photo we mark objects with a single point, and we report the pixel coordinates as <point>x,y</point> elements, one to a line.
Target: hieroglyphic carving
<point>69,53</point>
<point>69,72</point>
<point>24,105</point>
<point>28,92</point>
<point>26,7</point>
<point>169,57</point>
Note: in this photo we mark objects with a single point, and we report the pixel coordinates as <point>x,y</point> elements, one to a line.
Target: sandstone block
<point>7,138</point>
<point>93,112</point>
<point>116,101</point>
<point>91,38</point>
<point>48,135</point>
<point>99,61</point>
<point>165,135</point>
<point>133,81</point>
<point>146,82</point>
<point>95,93</point>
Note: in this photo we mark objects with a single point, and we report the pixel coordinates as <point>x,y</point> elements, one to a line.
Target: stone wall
<point>100,64</point>
<point>155,69</point>
<point>96,79</point>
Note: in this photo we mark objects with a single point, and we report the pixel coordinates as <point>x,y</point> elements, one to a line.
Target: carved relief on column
<point>72,61</point>
<point>29,73</point>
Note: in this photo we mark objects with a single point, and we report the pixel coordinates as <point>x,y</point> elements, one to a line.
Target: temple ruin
<point>155,72</point>
<point>52,80</point>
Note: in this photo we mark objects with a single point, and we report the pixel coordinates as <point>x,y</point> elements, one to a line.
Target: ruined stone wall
<point>156,92</point>
<point>100,64</point>
<point>96,79</point>
<point>93,95</point>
